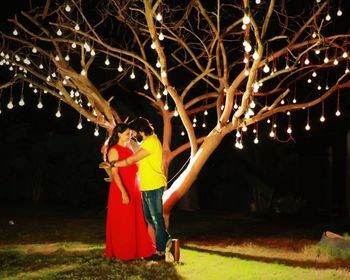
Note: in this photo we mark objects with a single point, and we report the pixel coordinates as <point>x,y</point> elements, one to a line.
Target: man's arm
<point>140,154</point>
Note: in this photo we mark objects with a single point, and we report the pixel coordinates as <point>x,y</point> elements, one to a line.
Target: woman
<point>126,231</point>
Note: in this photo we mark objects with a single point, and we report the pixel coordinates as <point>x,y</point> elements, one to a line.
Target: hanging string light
<point>10,103</point>
<point>80,123</point>
<point>307,126</point>
<point>289,129</point>
<point>322,118</point>
<point>40,102</point>
<point>120,67</point>
<point>96,132</point>
<point>132,75</point>
<point>58,112</point>
<point>256,131</point>
<point>337,113</point>
<point>68,8</point>
<point>21,100</point>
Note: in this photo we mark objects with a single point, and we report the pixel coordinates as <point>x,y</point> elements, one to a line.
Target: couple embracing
<point>135,227</point>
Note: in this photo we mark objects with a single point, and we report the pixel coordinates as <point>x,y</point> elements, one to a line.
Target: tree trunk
<point>189,175</point>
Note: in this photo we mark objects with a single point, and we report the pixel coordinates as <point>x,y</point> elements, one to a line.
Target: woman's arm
<point>114,156</point>
<point>140,154</point>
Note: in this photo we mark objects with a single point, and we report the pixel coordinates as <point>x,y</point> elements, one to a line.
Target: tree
<point>232,64</point>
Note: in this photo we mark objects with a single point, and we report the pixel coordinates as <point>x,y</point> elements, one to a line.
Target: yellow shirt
<point>150,168</point>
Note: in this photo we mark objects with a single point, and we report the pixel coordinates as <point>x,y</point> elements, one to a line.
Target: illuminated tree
<point>230,64</point>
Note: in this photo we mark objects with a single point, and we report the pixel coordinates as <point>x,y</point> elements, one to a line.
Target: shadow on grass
<point>80,265</point>
<point>289,262</point>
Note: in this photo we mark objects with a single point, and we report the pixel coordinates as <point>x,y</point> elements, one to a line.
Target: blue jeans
<point>153,210</point>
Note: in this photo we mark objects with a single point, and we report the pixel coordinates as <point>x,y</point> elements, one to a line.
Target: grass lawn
<point>214,245</point>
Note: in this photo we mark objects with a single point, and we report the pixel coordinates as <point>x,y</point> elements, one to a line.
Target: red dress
<point>126,230</point>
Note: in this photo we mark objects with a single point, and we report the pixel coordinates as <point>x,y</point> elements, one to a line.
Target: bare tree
<point>238,61</point>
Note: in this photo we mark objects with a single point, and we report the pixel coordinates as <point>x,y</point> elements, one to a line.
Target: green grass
<point>213,246</point>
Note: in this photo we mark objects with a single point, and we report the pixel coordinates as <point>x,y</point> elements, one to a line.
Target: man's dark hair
<point>141,124</point>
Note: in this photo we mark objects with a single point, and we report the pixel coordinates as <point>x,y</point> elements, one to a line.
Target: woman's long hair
<point>119,128</point>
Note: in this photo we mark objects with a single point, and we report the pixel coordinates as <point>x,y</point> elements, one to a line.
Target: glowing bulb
<point>83,72</point>
<point>93,53</point>
<point>347,70</point>
<point>176,113</point>
<point>15,32</point>
<point>282,101</point>
<point>57,58</point>
<point>10,105</point>
<point>59,32</point>
<point>322,118</point>
<point>314,34</point>
<point>309,81</point>
<point>289,130</point>
<point>132,75</point>
<point>317,51</point>
<point>41,66</point>
<point>163,74</point>
<point>255,55</point>
<point>74,45</point>
<point>337,113</point>
<point>40,105</point>
<point>335,62</point>
<point>307,127</point>
<point>165,91</point>
<point>345,54</point>
<point>252,104</point>
<point>158,65</point>
<point>294,100</point>
<point>205,113</point>
<point>77,27</point>
<point>21,102</point>
<point>166,107</point>
<point>319,87</point>
<point>26,61</point>
<point>244,128</point>
<point>266,68</point>
<point>159,95</point>
<point>246,19</point>
<point>244,27</point>
<point>120,67</point>
<point>326,60</point>
<point>67,58</point>
<point>159,17</point>
<point>58,114</point>
<point>314,74</point>
<point>79,126</point>
<point>161,36</point>
<point>96,133</point>
<point>268,121</point>
<point>256,140</point>
<point>153,46</point>
<point>68,8</point>
<point>246,72</point>
<point>34,50</point>
<point>257,1</point>
<point>247,47</point>
<point>107,62</point>
<point>146,86</point>
<point>307,61</point>
<point>182,133</point>
<point>272,134</point>
<point>328,17</point>
<point>339,13</point>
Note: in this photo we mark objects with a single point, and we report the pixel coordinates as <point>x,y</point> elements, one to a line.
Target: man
<point>152,181</point>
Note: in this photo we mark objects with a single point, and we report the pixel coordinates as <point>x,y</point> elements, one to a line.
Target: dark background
<point>48,161</point>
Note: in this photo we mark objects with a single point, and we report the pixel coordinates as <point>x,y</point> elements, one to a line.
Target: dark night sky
<point>40,151</point>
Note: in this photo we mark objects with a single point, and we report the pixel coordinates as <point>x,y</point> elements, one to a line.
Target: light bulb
<point>59,32</point>
<point>159,17</point>
<point>57,58</point>
<point>39,105</point>
<point>176,113</point>
<point>246,72</point>
<point>166,107</point>
<point>58,114</point>
<point>307,127</point>
<point>107,62</point>
<point>335,62</point>
<point>204,125</point>
<point>158,65</point>
<point>96,133</point>
<point>337,113</point>
<point>289,130</point>
<point>68,8</point>
<point>34,50</point>
<point>79,126</point>
<point>256,140</point>
<point>21,102</point>
<point>266,68</point>
<point>153,46</point>
<point>120,67</point>
<point>309,81</point>
<point>41,66</point>
<point>272,134</point>
<point>246,19</point>
<point>328,17</point>
<point>93,53</point>
<point>67,58</point>
<point>294,100</point>
<point>339,13</point>
<point>161,36</point>
<point>159,95</point>
<point>307,61</point>
<point>255,55</point>
<point>326,60</point>
<point>77,27</point>
<point>87,47</point>
<point>317,51</point>
<point>146,86</point>
<point>247,48</point>
<point>74,45</point>
<point>182,133</point>
<point>165,92</point>
<point>15,32</point>
<point>244,128</point>
<point>347,70</point>
<point>132,75</point>
<point>257,1</point>
<point>345,54</point>
<point>83,72</point>
<point>314,74</point>
<point>322,118</point>
<point>10,105</point>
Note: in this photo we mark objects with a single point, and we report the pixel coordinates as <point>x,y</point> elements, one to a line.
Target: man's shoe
<point>156,257</point>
